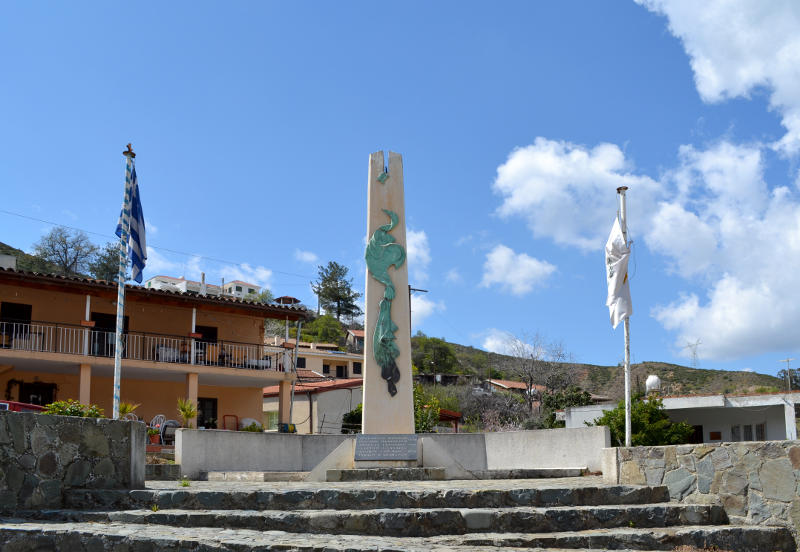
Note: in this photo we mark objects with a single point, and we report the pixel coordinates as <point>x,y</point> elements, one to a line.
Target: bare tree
<point>539,363</point>
<point>69,250</point>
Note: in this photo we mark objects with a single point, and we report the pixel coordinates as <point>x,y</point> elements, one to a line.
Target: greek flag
<point>137,248</point>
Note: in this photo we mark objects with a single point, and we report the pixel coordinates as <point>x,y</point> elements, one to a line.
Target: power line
<point>158,248</point>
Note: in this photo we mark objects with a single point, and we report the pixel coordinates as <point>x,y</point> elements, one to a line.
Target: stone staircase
<point>577,513</point>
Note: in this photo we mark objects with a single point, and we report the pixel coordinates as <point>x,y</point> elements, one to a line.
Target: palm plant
<point>187,411</point>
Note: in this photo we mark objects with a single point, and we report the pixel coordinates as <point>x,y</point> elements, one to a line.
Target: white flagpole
<point>123,265</point>
<point>623,223</point>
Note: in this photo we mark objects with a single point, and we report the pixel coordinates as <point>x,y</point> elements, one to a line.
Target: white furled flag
<point>619,290</point>
<point>137,248</point>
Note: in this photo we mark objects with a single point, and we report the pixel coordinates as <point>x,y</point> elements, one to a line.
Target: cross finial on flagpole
<point>129,152</point>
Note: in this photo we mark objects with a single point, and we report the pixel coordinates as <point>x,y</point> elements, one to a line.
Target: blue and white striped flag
<point>137,248</point>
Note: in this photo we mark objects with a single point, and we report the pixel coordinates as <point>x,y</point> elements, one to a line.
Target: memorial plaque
<point>386,447</point>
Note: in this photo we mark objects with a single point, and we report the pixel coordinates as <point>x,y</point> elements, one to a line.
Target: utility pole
<point>410,289</point>
<point>788,373</point>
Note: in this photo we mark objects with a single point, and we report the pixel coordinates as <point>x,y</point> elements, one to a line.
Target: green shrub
<point>351,421</point>
<point>650,424</point>
<point>254,427</point>
<point>71,407</point>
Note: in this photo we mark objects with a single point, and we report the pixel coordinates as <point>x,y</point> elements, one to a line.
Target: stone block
<point>93,442</point>
<point>630,474</point>
<point>775,476</point>
<point>48,464</point>
<point>680,483</point>
<point>734,482</point>
<point>77,473</point>
<point>670,458</point>
<point>757,511</point>
<point>735,505</point>
<point>721,459</point>
<point>654,475</point>
<point>705,474</point>
<point>701,450</point>
<point>794,456</point>
<point>686,461</point>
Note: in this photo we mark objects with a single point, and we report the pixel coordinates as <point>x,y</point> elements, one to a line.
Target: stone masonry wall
<point>757,482</point>
<point>41,456</point>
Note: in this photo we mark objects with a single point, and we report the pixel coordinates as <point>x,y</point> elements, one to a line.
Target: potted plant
<point>155,435</point>
<point>187,411</point>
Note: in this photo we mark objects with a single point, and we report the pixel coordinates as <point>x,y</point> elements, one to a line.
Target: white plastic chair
<point>157,421</point>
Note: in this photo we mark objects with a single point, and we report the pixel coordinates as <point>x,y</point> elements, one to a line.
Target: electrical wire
<point>158,248</point>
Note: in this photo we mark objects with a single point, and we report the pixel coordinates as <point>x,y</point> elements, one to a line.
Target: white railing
<point>78,340</point>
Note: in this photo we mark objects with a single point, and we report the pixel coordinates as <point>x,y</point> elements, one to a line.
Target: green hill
<point>28,262</point>
<point>609,380</point>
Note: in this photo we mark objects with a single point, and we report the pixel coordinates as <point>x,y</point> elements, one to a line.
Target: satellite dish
<point>653,384</point>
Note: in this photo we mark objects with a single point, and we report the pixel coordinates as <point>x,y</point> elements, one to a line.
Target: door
<point>207,413</point>
<point>341,371</point>
<point>15,319</point>
<point>37,393</point>
<point>105,327</point>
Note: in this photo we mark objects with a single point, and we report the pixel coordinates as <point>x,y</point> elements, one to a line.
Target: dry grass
<point>156,459</point>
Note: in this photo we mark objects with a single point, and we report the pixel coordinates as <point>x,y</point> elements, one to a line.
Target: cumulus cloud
<point>496,341</point>
<point>419,254</point>
<point>737,47</point>
<point>305,256</point>
<point>422,308</point>
<point>255,275</point>
<point>567,192</point>
<point>738,238</point>
<point>517,273</point>
<point>158,264</point>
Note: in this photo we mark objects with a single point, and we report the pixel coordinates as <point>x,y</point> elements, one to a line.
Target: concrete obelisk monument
<point>388,402</point>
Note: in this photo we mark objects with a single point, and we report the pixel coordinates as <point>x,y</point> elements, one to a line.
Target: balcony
<point>45,337</point>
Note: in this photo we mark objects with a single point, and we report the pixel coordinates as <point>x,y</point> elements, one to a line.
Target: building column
<point>85,384</point>
<point>191,387</point>
<point>284,401</point>
<point>791,427</point>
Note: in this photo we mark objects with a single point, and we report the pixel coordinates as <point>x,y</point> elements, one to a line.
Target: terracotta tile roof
<point>357,333</point>
<point>510,384</point>
<point>11,276</point>
<point>317,386</point>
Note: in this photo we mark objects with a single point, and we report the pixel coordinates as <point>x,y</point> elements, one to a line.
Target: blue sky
<point>253,123</point>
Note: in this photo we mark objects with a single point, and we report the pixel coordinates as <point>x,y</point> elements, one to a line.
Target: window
<point>356,367</point>
<point>341,371</point>
<point>736,433</point>
<point>326,368</point>
<point>238,288</point>
<point>301,362</point>
<point>748,433</point>
<point>271,420</point>
<point>250,290</point>
<point>761,432</point>
<point>209,333</point>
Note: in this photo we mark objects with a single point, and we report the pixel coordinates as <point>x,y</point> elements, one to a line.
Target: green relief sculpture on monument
<point>382,252</point>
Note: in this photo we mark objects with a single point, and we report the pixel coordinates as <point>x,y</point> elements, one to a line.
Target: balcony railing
<point>78,340</point>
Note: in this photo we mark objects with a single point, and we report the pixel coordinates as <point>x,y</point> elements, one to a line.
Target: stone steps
<point>414,522</point>
<point>332,497</point>
<point>95,537</point>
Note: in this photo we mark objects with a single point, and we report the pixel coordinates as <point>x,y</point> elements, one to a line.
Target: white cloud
<point>453,276</point>
<point>738,47</point>
<point>422,308</point>
<point>567,192</point>
<point>419,255</point>
<point>514,272</point>
<point>305,256</point>
<point>725,226</point>
<point>158,264</point>
<point>254,275</point>
<point>150,228</point>
<point>496,341</point>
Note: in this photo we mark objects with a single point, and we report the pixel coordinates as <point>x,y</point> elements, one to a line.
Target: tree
<point>105,265</point>
<point>335,291</point>
<point>426,411</point>
<point>794,379</point>
<point>433,355</point>
<point>558,400</point>
<point>69,250</point>
<point>535,361</point>
<point>650,424</point>
<point>351,421</point>
<point>325,329</point>
<point>264,297</point>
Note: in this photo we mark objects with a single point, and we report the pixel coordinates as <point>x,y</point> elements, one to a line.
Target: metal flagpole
<point>623,223</point>
<point>123,265</point>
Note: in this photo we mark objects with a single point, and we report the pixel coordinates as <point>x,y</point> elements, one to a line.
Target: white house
<point>717,418</point>
<point>318,405</point>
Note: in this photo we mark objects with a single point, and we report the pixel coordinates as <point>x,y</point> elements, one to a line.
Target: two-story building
<point>57,341</point>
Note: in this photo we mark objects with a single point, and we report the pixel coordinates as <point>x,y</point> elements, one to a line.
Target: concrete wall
<point>756,482</point>
<point>324,410</point>
<point>200,451</point>
<point>547,448</point>
<point>41,456</point>
<point>217,450</point>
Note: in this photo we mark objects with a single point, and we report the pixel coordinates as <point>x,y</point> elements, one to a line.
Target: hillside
<point>26,261</point>
<point>609,380</point>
